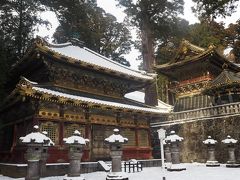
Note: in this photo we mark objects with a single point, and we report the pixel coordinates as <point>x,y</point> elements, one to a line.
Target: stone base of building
<point>212,164</point>
<point>176,167</point>
<point>116,176</point>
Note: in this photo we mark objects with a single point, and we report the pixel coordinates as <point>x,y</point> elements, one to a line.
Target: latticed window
<point>143,137</point>
<point>70,128</point>
<point>130,134</point>
<point>52,130</point>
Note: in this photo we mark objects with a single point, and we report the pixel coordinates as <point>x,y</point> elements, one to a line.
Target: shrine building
<point>204,88</point>
<point>67,87</point>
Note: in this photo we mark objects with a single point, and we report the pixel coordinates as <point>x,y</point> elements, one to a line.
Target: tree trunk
<point>149,62</point>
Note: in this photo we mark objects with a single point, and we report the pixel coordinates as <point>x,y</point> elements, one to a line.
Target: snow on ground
<point>194,171</point>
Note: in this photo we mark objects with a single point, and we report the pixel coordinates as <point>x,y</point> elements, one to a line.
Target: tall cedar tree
<point>154,19</point>
<point>100,31</point>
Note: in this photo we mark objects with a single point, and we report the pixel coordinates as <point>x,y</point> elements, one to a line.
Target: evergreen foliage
<point>89,23</point>
<point>214,8</point>
<point>233,39</point>
<point>18,22</point>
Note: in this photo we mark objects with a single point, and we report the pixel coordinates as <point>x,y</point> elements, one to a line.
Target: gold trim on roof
<point>26,89</point>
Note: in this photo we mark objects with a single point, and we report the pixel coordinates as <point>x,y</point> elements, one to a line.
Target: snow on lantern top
<point>229,140</point>
<point>36,137</point>
<point>76,139</point>
<point>173,137</point>
<point>209,140</point>
<point>116,137</point>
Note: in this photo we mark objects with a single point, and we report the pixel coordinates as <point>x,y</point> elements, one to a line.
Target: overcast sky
<point>110,7</point>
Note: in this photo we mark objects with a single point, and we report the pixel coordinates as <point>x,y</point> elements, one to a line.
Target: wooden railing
<point>232,109</point>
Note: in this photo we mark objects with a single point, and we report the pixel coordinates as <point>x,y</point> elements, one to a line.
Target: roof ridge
<point>193,46</point>
<point>117,63</point>
<point>43,42</point>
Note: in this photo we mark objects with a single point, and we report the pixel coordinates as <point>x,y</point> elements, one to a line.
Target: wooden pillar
<point>230,98</point>
<point>36,106</point>
<point>219,101</point>
<point>61,124</point>
<point>148,119</point>
<point>88,123</point>
<point>14,136</point>
<point>135,117</point>
<point>118,119</point>
<point>88,129</point>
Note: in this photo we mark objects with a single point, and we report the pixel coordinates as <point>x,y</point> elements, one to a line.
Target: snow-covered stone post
<point>76,145</point>
<point>174,141</point>
<point>230,142</point>
<point>43,159</point>
<point>35,142</point>
<point>211,144</point>
<point>167,152</point>
<point>116,141</point>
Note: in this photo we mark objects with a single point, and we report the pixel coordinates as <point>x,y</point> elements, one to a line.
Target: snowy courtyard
<point>194,171</point>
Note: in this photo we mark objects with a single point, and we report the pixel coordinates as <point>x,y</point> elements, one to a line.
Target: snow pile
<point>229,140</point>
<point>116,137</point>
<point>117,175</point>
<point>195,171</point>
<point>139,96</point>
<point>76,139</point>
<point>209,140</point>
<point>36,137</point>
<point>173,137</point>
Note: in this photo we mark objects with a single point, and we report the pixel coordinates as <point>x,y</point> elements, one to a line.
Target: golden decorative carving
<point>98,119</point>
<point>74,117</point>
<point>48,114</point>
<point>127,122</point>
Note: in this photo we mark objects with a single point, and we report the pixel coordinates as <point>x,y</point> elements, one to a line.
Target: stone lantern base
<point>232,164</point>
<point>116,176</point>
<point>176,167</point>
<point>74,178</point>
<point>212,164</point>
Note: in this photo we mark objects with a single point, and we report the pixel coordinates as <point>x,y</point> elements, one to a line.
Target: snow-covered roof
<point>84,55</point>
<point>76,139</point>
<point>116,137</point>
<point>36,137</point>
<point>97,101</point>
<point>173,137</point>
<point>209,140</point>
<point>229,140</point>
<point>139,96</point>
<point>33,89</point>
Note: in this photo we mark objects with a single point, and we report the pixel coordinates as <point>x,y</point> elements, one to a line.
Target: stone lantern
<point>43,159</point>
<point>211,144</point>
<point>174,140</point>
<point>35,142</point>
<point>230,142</point>
<point>167,152</point>
<point>76,145</point>
<point>116,141</point>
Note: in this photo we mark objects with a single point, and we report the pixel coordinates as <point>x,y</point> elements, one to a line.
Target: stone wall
<point>192,148</point>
